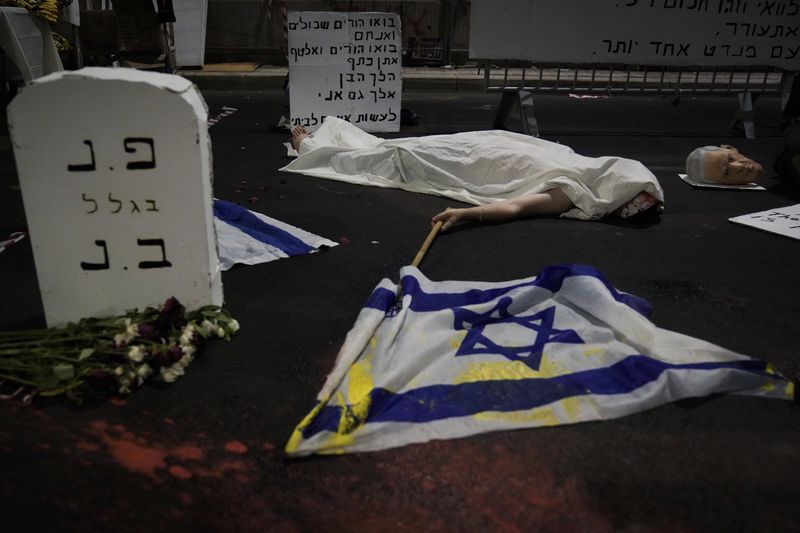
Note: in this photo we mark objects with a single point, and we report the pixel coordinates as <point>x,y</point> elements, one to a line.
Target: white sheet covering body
<point>476,167</point>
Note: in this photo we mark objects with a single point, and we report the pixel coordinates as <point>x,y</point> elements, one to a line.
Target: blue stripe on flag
<point>550,278</point>
<point>247,222</point>
<point>381,299</point>
<point>437,402</point>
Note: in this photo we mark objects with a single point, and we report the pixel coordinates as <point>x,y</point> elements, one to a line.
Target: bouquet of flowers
<point>103,356</point>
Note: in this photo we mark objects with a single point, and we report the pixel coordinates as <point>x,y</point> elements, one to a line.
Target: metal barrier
<point>518,84</point>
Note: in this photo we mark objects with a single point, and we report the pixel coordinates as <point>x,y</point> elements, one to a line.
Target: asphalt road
<point>206,452</point>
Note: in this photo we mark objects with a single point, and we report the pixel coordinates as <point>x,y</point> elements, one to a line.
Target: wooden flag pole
<point>398,303</point>
<point>427,244</point>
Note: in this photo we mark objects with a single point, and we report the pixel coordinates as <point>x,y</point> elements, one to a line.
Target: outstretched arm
<point>550,202</point>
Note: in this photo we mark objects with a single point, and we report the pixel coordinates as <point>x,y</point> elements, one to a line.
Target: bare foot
<point>298,134</point>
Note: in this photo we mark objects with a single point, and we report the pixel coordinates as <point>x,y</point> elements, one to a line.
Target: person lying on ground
<point>723,165</point>
<point>708,164</point>
<point>533,176</point>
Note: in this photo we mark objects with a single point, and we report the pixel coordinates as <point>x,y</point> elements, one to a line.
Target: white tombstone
<point>115,172</point>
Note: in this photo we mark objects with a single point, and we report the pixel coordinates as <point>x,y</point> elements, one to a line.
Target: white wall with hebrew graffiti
<point>645,32</point>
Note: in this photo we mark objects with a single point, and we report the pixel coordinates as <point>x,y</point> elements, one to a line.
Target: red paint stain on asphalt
<point>131,455</point>
<point>180,472</point>
<point>119,402</point>
<point>187,453</point>
<point>135,457</point>
<point>237,468</point>
<point>235,446</point>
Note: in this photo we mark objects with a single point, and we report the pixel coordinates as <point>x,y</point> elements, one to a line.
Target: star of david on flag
<point>476,340</point>
<point>461,358</point>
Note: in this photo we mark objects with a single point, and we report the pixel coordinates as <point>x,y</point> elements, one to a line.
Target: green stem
<point>47,342</point>
<point>25,333</point>
<point>18,380</point>
<point>22,368</point>
<point>61,390</point>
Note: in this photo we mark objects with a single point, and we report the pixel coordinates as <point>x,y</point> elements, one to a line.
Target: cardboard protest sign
<point>115,173</point>
<point>783,221</point>
<point>346,65</point>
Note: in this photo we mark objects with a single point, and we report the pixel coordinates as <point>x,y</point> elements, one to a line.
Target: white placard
<point>646,32</point>
<point>346,65</point>
<point>782,220</point>
<point>115,173</point>
<point>190,32</point>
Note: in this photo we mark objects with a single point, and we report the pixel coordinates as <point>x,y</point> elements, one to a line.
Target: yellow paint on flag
<point>457,339</point>
<point>297,434</point>
<point>506,370</point>
<point>541,416</point>
<point>510,370</point>
<point>549,368</point>
<point>572,407</point>
<point>354,408</point>
<point>359,380</point>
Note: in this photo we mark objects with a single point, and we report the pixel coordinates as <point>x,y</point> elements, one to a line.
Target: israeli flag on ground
<point>247,237</point>
<point>460,358</point>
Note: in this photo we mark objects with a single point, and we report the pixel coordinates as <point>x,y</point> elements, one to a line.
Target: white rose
<point>207,326</point>
<point>142,373</point>
<point>187,335</point>
<point>188,351</point>
<point>168,375</point>
<point>136,354</point>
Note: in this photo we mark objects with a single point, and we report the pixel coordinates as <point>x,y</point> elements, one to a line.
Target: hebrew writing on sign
<point>115,173</point>
<point>346,65</point>
<point>649,32</point>
<point>783,221</point>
